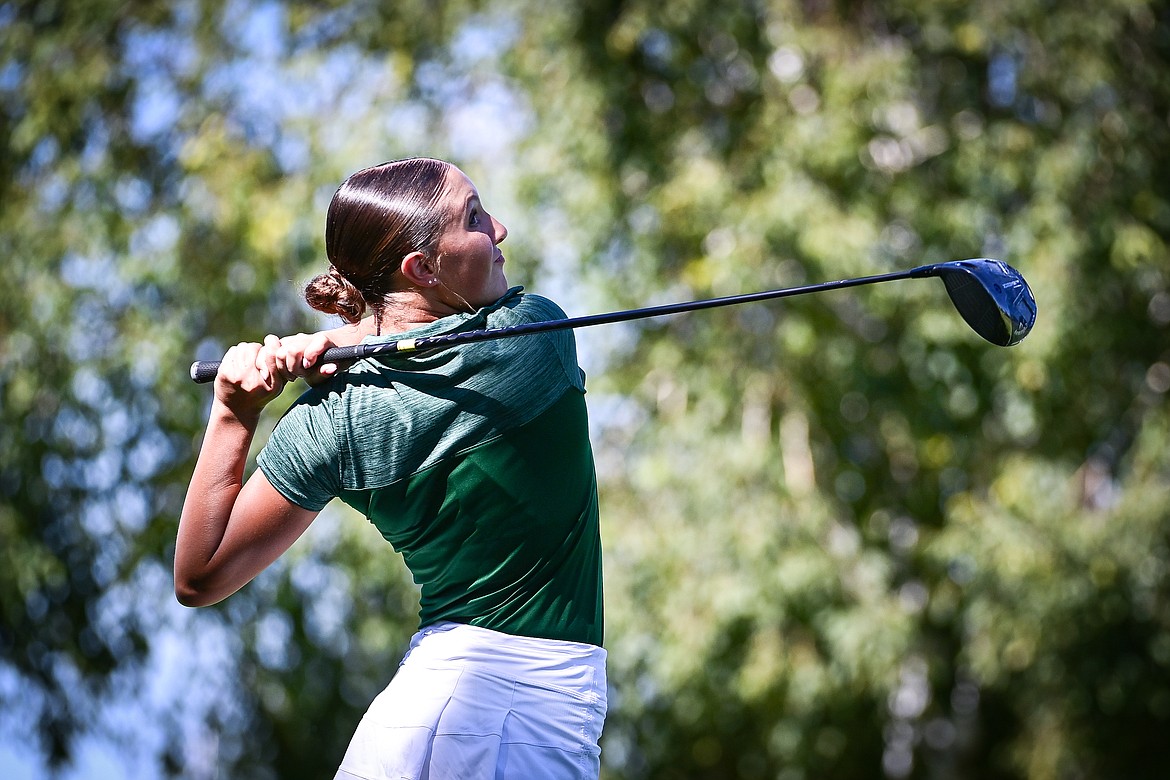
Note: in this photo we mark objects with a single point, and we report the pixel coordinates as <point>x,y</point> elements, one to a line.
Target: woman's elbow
<point>192,594</point>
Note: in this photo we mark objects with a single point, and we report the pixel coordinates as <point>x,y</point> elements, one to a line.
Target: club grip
<point>203,371</point>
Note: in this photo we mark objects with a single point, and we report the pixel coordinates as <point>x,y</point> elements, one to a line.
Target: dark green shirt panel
<point>505,535</point>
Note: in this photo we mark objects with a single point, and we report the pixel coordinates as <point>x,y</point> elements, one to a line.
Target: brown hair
<point>378,216</point>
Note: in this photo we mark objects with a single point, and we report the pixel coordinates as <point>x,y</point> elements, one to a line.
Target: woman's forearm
<point>215,486</point>
<point>230,530</point>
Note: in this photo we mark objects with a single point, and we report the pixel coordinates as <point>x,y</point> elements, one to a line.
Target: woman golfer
<point>472,461</point>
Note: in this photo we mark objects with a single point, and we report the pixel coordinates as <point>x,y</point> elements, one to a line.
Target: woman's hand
<point>298,355</point>
<point>247,379</point>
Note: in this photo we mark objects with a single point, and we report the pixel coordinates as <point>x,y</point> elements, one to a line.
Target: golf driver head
<point>991,296</point>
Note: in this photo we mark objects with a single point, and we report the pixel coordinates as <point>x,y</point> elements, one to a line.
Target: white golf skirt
<point>470,703</point>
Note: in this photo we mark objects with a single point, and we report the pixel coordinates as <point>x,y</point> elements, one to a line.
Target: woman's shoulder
<point>530,306</point>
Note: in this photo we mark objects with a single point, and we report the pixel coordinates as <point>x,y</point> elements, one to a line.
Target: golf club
<point>991,296</point>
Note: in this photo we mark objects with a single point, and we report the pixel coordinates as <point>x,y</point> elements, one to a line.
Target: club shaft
<point>206,370</point>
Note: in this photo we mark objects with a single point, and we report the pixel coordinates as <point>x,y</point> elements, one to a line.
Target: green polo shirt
<point>474,462</point>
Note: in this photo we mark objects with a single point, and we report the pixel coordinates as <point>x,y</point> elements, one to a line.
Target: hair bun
<point>332,293</point>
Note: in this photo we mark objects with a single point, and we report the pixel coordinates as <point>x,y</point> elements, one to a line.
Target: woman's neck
<point>409,309</point>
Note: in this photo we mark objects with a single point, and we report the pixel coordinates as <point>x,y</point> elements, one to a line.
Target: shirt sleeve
<point>301,458</point>
<point>537,308</point>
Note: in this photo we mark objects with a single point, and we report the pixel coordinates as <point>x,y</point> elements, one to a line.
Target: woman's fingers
<point>316,371</point>
<point>268,358</point>
<point>277,361</point>
<point>246,382</point>
<point>316,347</point>
<point>299,356</point>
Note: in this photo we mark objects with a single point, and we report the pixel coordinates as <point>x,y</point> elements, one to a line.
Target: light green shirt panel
<point>389,417</point>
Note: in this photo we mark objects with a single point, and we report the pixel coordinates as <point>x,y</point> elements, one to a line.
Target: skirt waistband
<point>553,662</point>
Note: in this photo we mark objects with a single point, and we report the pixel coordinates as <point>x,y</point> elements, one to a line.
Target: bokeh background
<point>844,537</point>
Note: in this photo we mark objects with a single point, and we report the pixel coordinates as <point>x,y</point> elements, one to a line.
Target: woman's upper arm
<point>263,525</point>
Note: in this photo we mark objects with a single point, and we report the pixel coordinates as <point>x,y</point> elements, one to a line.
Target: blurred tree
<point>844,537</point>
<point>816,514</point>
<point>161,163</point>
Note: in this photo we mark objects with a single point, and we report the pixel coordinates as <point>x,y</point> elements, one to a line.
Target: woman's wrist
<point>350,334</point>
<point>245,420</point>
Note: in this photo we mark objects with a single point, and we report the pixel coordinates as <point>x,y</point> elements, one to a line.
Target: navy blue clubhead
<point>990,295</point>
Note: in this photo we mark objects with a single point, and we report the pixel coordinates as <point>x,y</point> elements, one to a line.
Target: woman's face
<point>470,264</point>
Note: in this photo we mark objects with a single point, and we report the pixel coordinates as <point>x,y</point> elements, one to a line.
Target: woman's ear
<point>419,270</point>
